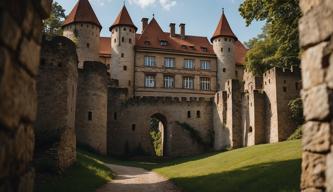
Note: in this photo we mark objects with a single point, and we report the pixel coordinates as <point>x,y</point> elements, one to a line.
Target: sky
<point>200,16</point>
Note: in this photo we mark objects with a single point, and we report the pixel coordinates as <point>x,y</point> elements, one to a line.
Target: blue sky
<point>201,16</point>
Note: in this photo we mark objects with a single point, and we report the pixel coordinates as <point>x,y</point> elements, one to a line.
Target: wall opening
<point>89,115</point>
<point>198,114</point>
<point>157,131</point>
<point>188,114</point>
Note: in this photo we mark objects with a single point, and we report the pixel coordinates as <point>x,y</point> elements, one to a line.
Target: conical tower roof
<point>223,29</point>
<point>123,19</point>
<point>82,13</point>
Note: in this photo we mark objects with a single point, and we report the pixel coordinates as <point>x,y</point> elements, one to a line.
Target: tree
<point>52,25</point>
<point>296,109</point>
<point>280,34</point>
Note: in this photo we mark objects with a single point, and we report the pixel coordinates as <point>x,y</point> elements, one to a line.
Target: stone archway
<point>158,129</point>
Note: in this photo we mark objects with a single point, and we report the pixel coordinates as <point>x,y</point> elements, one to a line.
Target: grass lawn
<point>271,168</point>
<point>86,175</point>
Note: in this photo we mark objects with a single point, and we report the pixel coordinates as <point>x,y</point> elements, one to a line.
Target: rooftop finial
<point>222,10</point>
<point>153,14</point>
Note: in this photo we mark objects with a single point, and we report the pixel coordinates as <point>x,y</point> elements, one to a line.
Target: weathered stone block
<point>307,5</point>
<point>10,32</point>
<point>329,171</point>
<point>312,190</point>
<point>316,137</point>
<point>17,92</point>
<point>329,73</point>
<point>28,20</point>
<point>317,103</point>
<point>24,146</point>
<point>28,57</point>
<point>313,72</point>
<point>312,31</point>
<point>313,170</point>
<point>43,7</point>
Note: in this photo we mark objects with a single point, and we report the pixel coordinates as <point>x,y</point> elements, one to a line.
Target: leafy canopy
<point>278,44</point>
<point>52,25</point>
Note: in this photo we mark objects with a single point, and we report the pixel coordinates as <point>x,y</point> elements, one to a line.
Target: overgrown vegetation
<point>52,25</point>
<point>156,136</point>
<point>297,134</point>
<point>296,109</point>
<point>86,175</point>
<point>278,45</point>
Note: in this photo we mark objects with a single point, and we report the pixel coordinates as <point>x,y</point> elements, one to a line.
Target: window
<point>150,81</point>
<point>223,70</point>
<point>204,83</point>
<point>125,68</point>
<point>198,114</point>
<point>122,55</point>
<point>169,81</point>
<point>149,61</point>
<point>130,40</point>
<point>169,62</point>
<point>133,127</point>
<point>115,40</point>
<point>129,83</point>
<point>204,49</point>
<point>188,82</point>
<point>250,129</point>
<point>188,114</point>
<point>122,39</point>
<point>221,49</point>
<point>284,89</point>
<point>284,81</point>
<point>229,49</point>
<point>188,64</point>
<point>124,28</point>
<point>88,45</point>
<point>184,46</point>
<point>236,73</point>
<point>115,116</point>
<point>205,65</point>
<point>89,115</point>
<point>147,42</point>
<point>164,43</point>
<point>225,39</point>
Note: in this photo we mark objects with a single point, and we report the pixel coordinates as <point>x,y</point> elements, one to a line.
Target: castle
<point>125,80</point>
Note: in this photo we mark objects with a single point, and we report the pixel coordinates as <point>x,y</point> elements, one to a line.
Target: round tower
<point>83,28</point>
<point>123,55</point>
<point>224,47</point>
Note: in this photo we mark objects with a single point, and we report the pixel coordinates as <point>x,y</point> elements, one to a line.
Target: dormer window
<point>147,43</point>
<point>204,49</point>
<point>184,46</point>
<point>163,43</point>
<point>192,47</point>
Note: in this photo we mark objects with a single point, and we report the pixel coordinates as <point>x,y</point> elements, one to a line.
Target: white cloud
<point>101,2</point>
<point>142,3</point>
<point>165,4</point>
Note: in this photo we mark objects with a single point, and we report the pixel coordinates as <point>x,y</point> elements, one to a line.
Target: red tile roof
<point>123,19</point>
<point>82,13</point>
<point>154,34</point>
<point>223,29</point>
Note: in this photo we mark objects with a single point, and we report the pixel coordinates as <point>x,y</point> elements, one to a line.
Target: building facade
<point>179,79</point>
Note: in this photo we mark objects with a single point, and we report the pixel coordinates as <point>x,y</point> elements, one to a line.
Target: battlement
<point>283,71</point>
<point>168,100</point>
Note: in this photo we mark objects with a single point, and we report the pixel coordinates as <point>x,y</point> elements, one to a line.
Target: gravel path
<point>132,179</point>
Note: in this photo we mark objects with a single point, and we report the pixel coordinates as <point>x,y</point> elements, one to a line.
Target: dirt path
<point>132,179</point>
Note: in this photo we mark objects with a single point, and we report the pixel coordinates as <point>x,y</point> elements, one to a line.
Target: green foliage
<point>86,175</point>
<point>296,109</point>
<point>52,25</point>
<point>278,44</point>
<point>297,134</point>
<point>156,137</point>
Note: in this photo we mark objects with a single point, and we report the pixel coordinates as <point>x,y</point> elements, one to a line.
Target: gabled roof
<point>223,29</point>
<point>153,35</point>
<point>82,13</point>
<point>123,19</point>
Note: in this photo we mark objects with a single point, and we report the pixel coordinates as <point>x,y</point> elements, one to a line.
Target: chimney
<point>144,23</point>
<point>182,30</point>
<point>172,29</point>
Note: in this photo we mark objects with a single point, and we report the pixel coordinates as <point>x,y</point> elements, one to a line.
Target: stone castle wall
<point>87,38</point>
<point>57,90</point>
<point>316,34</point>
<point>221,133</point>
<point>20,39</point>
<point>129,124</point>
<point>91,108</point>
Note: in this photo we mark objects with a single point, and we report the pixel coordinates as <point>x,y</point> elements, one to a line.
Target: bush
<point>297,134</point>
<point>296,109</point>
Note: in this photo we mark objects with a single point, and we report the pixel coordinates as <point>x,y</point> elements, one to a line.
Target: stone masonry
<point>56,88</point>
<point>20,39</point>
<point>316,35</point>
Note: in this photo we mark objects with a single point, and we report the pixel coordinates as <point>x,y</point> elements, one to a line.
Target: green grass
<point>272,167</point>
<point>86,175</point>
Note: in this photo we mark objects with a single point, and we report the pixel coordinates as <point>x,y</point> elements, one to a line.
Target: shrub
<point>296,109</point>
